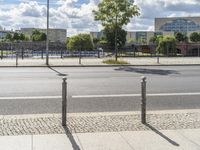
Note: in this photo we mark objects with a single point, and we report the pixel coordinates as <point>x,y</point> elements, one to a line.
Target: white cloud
<point>77,17</point>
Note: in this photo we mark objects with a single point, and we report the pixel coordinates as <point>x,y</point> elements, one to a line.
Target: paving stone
<point>99,123</point>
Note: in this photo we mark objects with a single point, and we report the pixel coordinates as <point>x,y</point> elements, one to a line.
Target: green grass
<point>112,61</point>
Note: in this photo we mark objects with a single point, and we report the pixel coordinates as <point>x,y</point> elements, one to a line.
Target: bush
<point>80,42</point>
<point>167,46</point>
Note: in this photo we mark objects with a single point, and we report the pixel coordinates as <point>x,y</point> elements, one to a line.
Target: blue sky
<point>76,15</point>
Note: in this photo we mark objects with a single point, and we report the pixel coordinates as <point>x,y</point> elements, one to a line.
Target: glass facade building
<point>177,24</point>
<point>180,25</point>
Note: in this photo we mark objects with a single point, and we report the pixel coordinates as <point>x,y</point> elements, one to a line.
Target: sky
<point>76,15</point>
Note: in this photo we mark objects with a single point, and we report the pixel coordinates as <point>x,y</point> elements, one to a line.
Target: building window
<point>180,25</point>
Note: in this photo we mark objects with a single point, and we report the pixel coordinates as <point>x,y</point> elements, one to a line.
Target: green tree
<point>38,36</point>
<point>181,37</point>
<point>95,42</point>
<point>113,14</point>
<point>43,37</point>
<point>103,42</point>
<point>16,36</point>
<point>110,36</point>
<point>167,45</point>
<point>9,36</point>
<point>153,39</point>
<point>195,37</point>
<point>131,41</point>
<point>27,38</point>
<point>22,37</point>
<point>80,42</point>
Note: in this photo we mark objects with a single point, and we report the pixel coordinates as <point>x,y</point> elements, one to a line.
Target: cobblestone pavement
<point>96,123</point>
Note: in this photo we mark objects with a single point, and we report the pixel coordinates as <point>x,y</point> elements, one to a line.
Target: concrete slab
<point>191,135</point>
<point>187,139</point>
<point>147,140</point>
<point>103,141</point>
<point>165,139</point>
<point>16,142</point>
<point>55,142</point>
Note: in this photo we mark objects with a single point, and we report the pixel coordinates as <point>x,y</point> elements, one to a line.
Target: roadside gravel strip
<point>98,122</point>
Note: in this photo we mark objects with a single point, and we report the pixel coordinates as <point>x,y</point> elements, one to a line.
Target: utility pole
<point>47,33</point>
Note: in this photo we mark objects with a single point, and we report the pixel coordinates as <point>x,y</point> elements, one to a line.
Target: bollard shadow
<point>58,73</point>
<point>162,135</point>
<point>147,71</point>
<point>71,138</point>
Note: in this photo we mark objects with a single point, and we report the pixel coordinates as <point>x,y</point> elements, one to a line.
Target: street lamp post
<point>47,37</point>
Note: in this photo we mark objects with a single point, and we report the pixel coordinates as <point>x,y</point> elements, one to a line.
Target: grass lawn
<point>114,62</point>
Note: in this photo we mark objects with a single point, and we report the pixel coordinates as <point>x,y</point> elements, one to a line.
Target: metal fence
<point>38,50</point>
<point>59,50</point>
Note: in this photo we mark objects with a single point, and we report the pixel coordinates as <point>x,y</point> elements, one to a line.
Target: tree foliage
<point>155,39</point>
<point>15,37</point>
<point>38,36</point>
<point>95,42</point>
<point>110,36</point>
<point>22,37</point>
<point>167,45</point>
<point>195,37</point>
<point>80,42</point>
<point>110,11</point>
<point>181,37</point>
<point>9,36</point>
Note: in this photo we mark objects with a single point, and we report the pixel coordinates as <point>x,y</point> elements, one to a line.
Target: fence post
<point>1,54</point>
<point>64,102</point>
<point>22,53</point>
<point>42,54</point>
<point>61,54</point>
<point>79,57</point>
<point>143,100</point>
<point>16,57</point>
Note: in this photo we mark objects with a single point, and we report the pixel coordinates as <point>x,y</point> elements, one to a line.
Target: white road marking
<point>101,96</point>
<point>29,97</point>
<point>136,95</point>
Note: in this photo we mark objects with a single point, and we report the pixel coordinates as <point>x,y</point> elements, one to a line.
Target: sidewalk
<point>188,139</point>
<point>74,62</point>
<point>167,130</point>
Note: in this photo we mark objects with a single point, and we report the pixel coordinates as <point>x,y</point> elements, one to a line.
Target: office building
<point>55,35</point>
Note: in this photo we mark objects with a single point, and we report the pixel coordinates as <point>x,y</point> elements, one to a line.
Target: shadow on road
<point>58,73</point>
<point>147,71</point>
<point>162,135</point>
<point>71,139</point>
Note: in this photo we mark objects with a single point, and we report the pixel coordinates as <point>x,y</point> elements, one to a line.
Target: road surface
<point>98,89</point>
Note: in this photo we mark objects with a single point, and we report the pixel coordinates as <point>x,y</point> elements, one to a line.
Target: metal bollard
<point>143,100</point>
<point>158,60</point>
<point>64,102</point>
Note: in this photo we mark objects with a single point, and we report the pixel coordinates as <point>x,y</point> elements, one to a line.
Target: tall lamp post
<point>116,27</point>
<point>47,37</point>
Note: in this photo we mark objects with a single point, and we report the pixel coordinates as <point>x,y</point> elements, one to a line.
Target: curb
<point>148,65</point>
<point>24,116</point>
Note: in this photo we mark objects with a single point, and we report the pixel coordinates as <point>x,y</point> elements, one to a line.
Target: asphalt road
<point>25,90</point>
